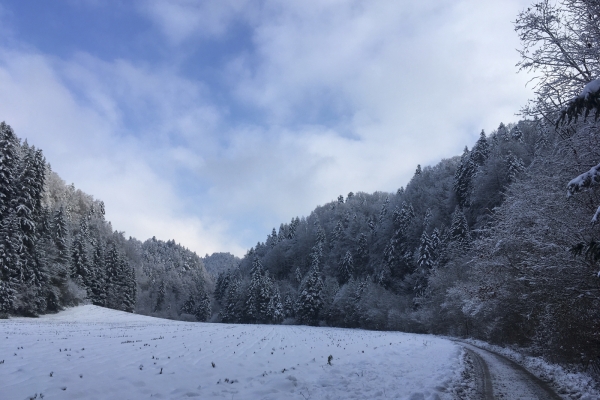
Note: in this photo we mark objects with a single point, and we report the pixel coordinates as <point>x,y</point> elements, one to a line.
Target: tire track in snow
<point>502,378</point>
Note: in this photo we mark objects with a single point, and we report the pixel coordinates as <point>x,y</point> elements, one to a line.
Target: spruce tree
<point>98,276</point>
<point>345,268</point>
<point>515,166</point>
<point>231,312</point>
<point>459,230</point>
<point>425,261</point>
<point>11,272</point>
<point>276,309</point>
<point>309,301</point>
<point>9,161</point>
<point>463,179</point>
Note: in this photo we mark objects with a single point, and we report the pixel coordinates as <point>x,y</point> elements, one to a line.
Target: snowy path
<point>94,353</point>
<point>501,378</point>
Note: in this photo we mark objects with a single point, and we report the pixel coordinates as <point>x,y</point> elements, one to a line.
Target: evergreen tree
<point>309,301</point>
<point>463,179</point>
<point>459,230</point>
<point>61,237</point>
<point>223,281</point>
<point>257,309</point>
<point>337,233</point>
<point>481,150</point>
<point>231,311</point>
<point>425,261</point>
<point>517,134</point>
<point>276,311</point>
<point>160,296</point>
<point>128,286</point>
<point>80,262</point>
<point>384,210</point>
<point>112,277</point>
<point>98,277</point>
<point>345,268</point>
<point>293,226</point>
<point>298,275</point>
<point>503,133</point>
<point>515,166</point>
<point>10,263</point>
<point>289,311</point>
<point>9,161</point>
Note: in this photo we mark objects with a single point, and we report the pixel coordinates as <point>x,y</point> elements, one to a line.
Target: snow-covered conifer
<point>515,166</point>
<point>345,268</point>
<point>310,301</point>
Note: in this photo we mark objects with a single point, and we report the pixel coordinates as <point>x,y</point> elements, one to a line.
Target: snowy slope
<point>90,352</point>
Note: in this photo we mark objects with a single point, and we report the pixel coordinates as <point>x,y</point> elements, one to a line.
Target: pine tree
<point>230,311</point>
<point>515,166</point>
<point>516,134</point>
<point>425,261</point>
<point>337,233</point>
<point>11,272</point>
<point>463,179</point>
<point>459,230</point>
<point>481,150</point>
<point>98,277</point>
<point>112,277</point>
<point>309,301</point>
<point>80,269</point>
<point>293,226</point>
<point>427,219</point>
<point>276,307</point>
<point>321,238</point>
<point>9,161</point>
<point>289,310</point>
<point>384,210</point>
<point>257,308</point>
<point>362,248</point>
<point>61,237</point>
<point>160,296</point>
<point>223,281</point>
<point>298,275</point>
<point>345,268</point>
<point>129,287</point>
<point>503,132</point>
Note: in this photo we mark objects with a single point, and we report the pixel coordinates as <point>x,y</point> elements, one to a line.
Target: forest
<point>499,243</point>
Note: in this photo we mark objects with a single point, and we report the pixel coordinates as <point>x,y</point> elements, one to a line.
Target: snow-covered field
<point>90,352</point>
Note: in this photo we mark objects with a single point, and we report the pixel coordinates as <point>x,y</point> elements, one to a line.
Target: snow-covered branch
<point>584,181</point>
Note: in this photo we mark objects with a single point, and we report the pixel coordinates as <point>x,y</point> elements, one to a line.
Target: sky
<point>211,122</point>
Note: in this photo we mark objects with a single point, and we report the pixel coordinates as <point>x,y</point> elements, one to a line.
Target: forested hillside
<point>499,243</point>
<point>57,249</point>
<point>495,244</point>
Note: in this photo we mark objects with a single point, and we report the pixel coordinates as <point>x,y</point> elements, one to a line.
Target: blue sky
<point>211,122</point>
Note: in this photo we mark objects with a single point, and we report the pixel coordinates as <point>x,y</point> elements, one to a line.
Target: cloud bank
<point>250,113</point>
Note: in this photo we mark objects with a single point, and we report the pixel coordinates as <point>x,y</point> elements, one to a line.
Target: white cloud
<point>349,96</point>
<point>87,143</point>
<point>182,19</point>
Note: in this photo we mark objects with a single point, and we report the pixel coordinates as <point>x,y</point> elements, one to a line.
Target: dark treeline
<point>57,249</point>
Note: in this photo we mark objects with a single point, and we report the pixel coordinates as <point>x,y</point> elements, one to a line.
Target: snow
<point>569,384</point>
<point>589,88</point>
<point>584,180</point>
<point>96,353</point>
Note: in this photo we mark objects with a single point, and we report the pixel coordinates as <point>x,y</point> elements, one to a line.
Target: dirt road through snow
<point>501,378</point>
